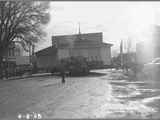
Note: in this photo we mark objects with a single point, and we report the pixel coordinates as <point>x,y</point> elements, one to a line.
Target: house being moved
<point>89,46</point>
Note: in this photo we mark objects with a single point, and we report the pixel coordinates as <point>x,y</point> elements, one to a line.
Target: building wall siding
<point>92,54</point>
<point>63,53</point>
<point>79,52</point>
<point>22,60</point>
<point>68,40</point>
<point>106,55</point>
<point>47,61</point>
<point>90,46</point>
<point>89,53</point>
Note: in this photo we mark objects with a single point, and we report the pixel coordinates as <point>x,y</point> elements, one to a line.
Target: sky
<point>117,20</point>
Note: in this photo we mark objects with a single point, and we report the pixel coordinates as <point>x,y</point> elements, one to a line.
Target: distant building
<point>15,54</point>
<point>90,46</point>
<point>156,41</point>
<point>147,50</point>
<point>13,57</point>
<point>144,52</point>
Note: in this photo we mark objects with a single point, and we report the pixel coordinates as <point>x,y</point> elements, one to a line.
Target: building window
<point>96,58</point>
<point>17,52</point>
<point>92,58</point>
<point>12,52</point>
<point>89,59</point>
<point>9,52</point>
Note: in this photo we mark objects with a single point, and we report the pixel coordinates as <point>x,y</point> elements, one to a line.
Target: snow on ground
<point>104,94</point>
<point>125,106</point>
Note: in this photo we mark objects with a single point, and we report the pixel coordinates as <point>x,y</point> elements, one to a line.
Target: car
<point>152,69</point>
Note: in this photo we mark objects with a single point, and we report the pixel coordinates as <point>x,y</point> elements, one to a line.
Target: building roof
<point>97,37</point>
<point>89,40</point>
<point>47,51</point>
<point>80,40</point>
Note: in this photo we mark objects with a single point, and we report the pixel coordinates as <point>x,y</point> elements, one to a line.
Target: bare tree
<point>22,21</point>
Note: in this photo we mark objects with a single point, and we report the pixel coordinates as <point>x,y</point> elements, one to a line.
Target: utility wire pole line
<point>121,53</point>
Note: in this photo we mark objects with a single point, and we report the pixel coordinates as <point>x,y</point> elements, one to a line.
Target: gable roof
<point>47,51</point>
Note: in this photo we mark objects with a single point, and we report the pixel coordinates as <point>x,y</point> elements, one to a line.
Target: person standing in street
<point>63,76</point>
<point>62,72</point>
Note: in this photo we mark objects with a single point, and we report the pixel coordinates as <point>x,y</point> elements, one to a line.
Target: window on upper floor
<point>13,52</point>
<point>92,58</point>
<point>17,52</point>
<point>96,58</point>
<point>9,52</point>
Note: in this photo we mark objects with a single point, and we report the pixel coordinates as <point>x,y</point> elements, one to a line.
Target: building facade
<point>15,54</point>
<point>88,45</point>
<point>13,60</point>
<point>46,58</point>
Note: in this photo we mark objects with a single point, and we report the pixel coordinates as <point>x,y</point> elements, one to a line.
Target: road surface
<point>103,94</point>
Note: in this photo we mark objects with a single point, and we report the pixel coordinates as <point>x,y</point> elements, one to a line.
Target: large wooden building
<point>89,45</point>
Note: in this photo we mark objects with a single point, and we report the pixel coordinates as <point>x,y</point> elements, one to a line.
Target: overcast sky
<point>117,20</point>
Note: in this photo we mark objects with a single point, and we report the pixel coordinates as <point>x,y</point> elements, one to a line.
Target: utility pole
<point>121,53</point>
<point>128,59</point>
<point>79,28</point>
<point>79,32</point>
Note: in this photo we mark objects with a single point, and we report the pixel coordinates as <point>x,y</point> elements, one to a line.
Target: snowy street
<point>102,94</point>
